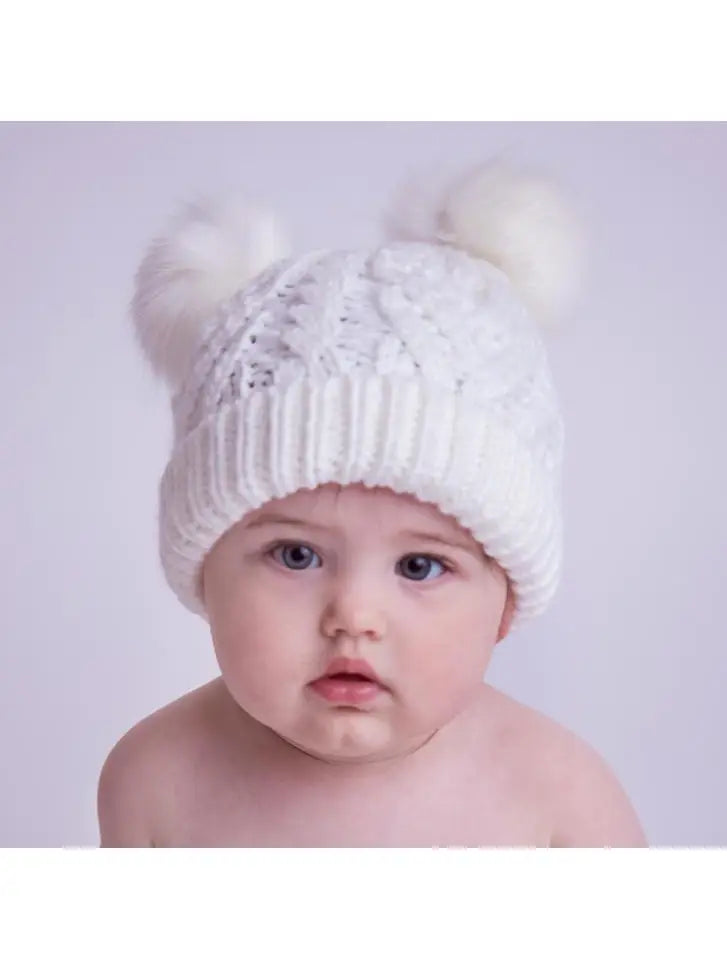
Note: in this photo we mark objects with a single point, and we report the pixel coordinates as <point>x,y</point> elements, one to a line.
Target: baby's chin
<point>347,736</point>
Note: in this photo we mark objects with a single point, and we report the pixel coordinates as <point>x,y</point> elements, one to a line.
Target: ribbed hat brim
<point>392,432</point>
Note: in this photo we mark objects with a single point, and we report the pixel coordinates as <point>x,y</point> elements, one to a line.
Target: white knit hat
<point>417,366</point>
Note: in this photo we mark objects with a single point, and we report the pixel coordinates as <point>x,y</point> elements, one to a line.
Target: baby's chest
<point>481,813</point>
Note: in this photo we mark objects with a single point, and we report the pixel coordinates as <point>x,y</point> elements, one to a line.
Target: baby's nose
<point>353,613</point>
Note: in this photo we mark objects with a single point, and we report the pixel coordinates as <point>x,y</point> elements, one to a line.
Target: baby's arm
<point>590,808</point>
<point>124,792</point>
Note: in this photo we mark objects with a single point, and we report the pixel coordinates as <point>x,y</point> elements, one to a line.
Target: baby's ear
<point>507,613</point>
<point>201,576</point>
<point>200,584</point>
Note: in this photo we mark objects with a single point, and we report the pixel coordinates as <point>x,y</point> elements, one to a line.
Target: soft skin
<point>284,600</point>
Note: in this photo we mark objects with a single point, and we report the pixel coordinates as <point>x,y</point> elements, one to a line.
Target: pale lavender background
<point>631,654</point>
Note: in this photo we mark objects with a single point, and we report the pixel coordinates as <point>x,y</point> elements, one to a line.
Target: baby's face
<point>351,578</point>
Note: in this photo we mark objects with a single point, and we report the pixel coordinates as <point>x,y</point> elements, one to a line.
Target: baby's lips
<point>343,664</point>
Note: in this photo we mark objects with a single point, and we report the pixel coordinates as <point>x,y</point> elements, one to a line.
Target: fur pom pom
<point>521,223</point>
<point>211,249</point>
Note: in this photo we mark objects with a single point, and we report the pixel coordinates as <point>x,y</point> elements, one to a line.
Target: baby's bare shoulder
<point>527,738</point>
<point>584,799</point>
<point>590,807</point>
<point>144,769</point>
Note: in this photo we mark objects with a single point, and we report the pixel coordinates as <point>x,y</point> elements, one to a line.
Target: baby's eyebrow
<point>406,533</point>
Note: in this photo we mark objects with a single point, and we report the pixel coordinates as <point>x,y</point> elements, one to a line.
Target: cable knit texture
<point>415,367</point>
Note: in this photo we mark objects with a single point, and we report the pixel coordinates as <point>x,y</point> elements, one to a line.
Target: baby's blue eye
<point>295,557</point>
<point>415,567</point>
<point>419,565</point>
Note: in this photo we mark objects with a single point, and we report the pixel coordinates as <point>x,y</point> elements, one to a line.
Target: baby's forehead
<point>377,507</point>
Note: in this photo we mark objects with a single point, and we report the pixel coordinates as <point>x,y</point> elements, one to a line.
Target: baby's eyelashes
<point>295,560</point>
<point>423,560</point>
<point>415,566</point>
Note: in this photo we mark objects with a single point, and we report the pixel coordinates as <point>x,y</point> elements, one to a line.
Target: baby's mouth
<point>347,690</point>
<point>347,669</point>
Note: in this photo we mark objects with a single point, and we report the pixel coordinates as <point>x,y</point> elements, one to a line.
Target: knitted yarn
<point>417,365</point>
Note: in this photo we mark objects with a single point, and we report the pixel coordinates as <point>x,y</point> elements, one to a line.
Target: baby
<point>362,500</point>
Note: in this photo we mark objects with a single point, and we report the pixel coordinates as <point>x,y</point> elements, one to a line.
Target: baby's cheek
<point>447,670</point>
<point>252,674</point>
<point>264,654</point>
